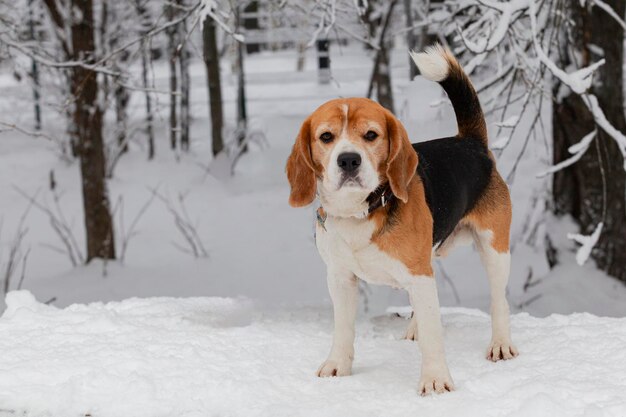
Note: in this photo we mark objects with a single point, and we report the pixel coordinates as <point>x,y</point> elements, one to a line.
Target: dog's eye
<point>370,135</point>
<point>326,137</point>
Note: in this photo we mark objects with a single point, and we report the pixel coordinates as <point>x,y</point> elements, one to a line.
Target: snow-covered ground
<point>257,356</point>
<point>219,357</point>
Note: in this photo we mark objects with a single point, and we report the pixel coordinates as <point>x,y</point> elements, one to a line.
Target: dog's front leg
<point>411,330</point>
<point>344,293</point>
<point>435,376</point>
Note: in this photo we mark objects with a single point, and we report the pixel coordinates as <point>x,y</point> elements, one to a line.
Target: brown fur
<point>402,161</point>
<point>301,169</point>
<point>493,212</point>
<point>411,239</point>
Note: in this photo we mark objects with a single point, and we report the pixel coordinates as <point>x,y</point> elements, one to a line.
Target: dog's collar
<point>380,197</point>
<point>321,215</point>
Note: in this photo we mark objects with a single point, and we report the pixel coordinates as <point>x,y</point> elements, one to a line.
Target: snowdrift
<point>224,357</point>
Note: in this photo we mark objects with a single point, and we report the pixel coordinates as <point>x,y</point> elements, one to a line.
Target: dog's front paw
<point>333,367</point>
<point>501,349</point>
<point>411,330</point>
<point>435,382</point>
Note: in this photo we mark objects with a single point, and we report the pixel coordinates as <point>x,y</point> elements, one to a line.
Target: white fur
<point>345,202</point>
<point>461,236</point>
<point>411,330</point>
<point>435,376</point>
<point>343,288</point>
<point>345,246</point>
<point>498,266</point>
<point>432,63</point>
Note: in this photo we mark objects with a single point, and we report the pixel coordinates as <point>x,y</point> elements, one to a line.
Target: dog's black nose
<point>349,161</point>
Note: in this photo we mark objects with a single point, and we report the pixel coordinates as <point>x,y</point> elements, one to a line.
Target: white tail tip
<point>432,63</point>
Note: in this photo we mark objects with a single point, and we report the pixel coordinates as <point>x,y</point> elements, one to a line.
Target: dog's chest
<point>346,243</point>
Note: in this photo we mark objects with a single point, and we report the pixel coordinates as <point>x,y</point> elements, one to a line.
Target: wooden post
<point>323,61</point>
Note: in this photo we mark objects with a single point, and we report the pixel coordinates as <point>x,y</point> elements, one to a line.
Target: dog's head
<point>344,151</point>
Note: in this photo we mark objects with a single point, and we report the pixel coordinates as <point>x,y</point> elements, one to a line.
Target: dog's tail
<point>438,64</point>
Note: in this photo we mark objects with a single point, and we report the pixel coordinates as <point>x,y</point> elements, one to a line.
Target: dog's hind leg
<point>497,264</point>
<point>491,221</point>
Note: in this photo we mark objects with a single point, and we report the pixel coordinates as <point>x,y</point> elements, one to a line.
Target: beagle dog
<point>388,207</point>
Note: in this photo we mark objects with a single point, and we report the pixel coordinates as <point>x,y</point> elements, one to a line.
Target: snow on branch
<point>209,8</point>
<point>609,10</point>
<point>508,11</point>
<point>54,64</point>
<point>100,66</point>
<point>510,122</point>
<point>4,126</point>
<point>598,115</point>
<point>579,81</point>
<point>578,150</point>
<point>501,143</point>
<point>587,243</point>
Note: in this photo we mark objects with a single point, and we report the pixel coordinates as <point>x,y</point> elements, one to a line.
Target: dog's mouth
<point>350,181</point>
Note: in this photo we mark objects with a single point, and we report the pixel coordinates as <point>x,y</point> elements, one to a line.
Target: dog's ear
<point>402,161</point>
<point>300,169</point>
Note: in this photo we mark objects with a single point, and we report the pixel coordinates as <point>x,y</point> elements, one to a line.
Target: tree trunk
<point>34,68</point>
<point>384,89</point>
<point>411,39</point>
<point>87,121</point>
<point>121,115</point>
<point>144,22</point>
<point>593,190</point>
<point>149,116</point>
<point>381,73</point>
<point>423,39</point>
<point>242,112</point>
<point>173,103</point>
<point>370,23</point>
<point>66,89</point>
<point>172,36</point>
<point>212,64</point>
<point>111,34</point>
<point>301,56</point>
<point>102,48</point>
<point>185,81</point>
